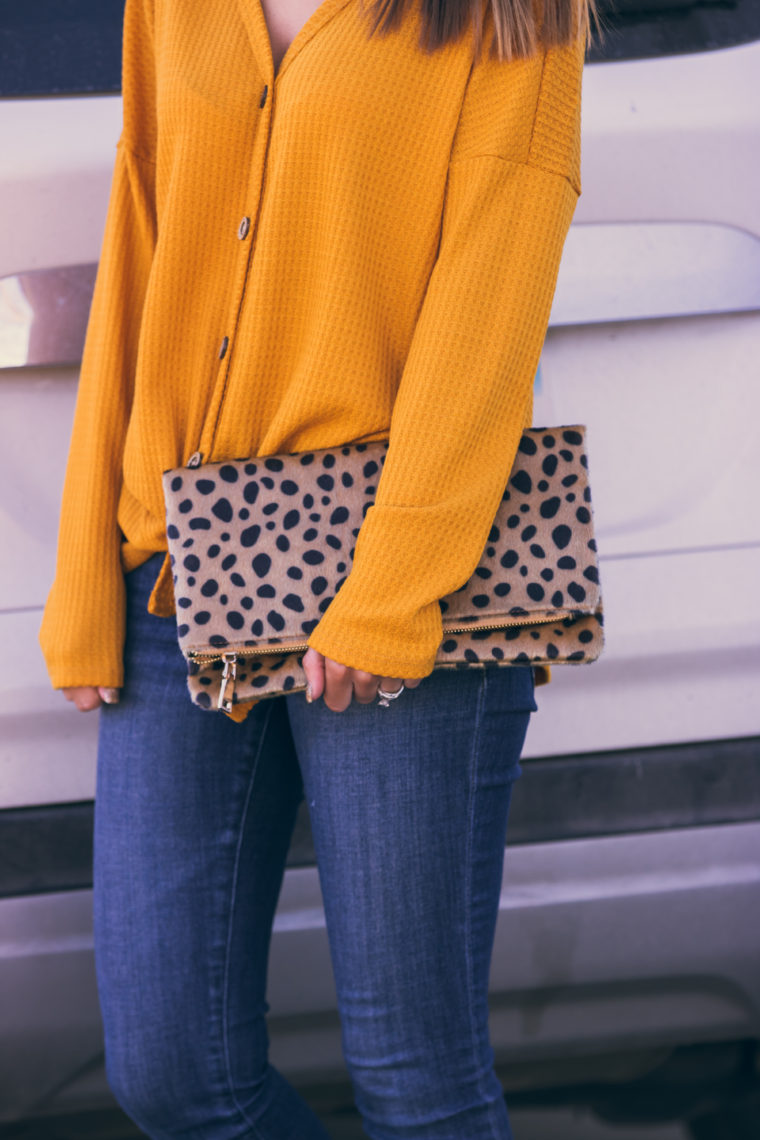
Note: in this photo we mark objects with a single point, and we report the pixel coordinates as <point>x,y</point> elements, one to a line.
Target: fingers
<point>314,667</point>
<point>108,696</point>
<point>340,684</point>
<point>84,697</point>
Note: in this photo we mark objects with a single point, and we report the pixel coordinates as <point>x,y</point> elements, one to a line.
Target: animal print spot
<point>542,485</point>
<point>549,465</point>
<point>547,574</point>
<point>270,508</point>
<point>203,700</point>
<point>202,617</point>
<point>277,621</point>
<point>509,559</point>
<point>494,534</point>
<point>513,521</point>
<point>591,573</point>
<point>313,557</point>
<point>528,533</point>
<point>583,515</point>
<point>293,602</point>
<point>369,469</point>
<point>235,620</point>
<point>551,651</point>
<point>535,592</point>
<point>251,492</point>
<point>548,440</point>
<point>222,509</point>
<point>176,483</point>
<point>209,588</point>
<point>333,541</point>
<point>573,437</point>
<point>326,482</point>
<point>288,487</point>
<point>561,536</point>
<point>558,599</point>
<point>205,486</point>
<point>261,564</point>
<point>585,636</point>
<point>246,603</point>
<point>549,507</point>
<point>501,589</point>
<point>291,519</point>
<point>192,563</point>
<point>257,628</point>
<point>282,543</point>
<point>229,561</point>
<point>566,562</point>
<point>184,603</point>
<point>237,580</point>
<point>266,591</point>
<point>481,600</point>
<point>213,551</point>
<point>537,551</point>
<point>522,482</point>
<point>183,630</point>
<point>527,446</point>
<point>273,464</point>
<point>576,592</point>
<point>185,506</point>
<point>250,536</point>
<point>339,515</point>
<point>172,531</point>
<point>199,524</point>
<point>294,572</point>
<point>228,473</point>
<point>346,479</point>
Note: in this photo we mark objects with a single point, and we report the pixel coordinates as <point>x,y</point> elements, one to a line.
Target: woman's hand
<point>88,697</point>
<point>339,683</point>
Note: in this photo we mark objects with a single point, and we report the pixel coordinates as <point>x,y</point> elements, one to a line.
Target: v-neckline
<point>258,31</point>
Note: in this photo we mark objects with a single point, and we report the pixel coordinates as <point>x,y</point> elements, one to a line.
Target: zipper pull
<point>229,675</point>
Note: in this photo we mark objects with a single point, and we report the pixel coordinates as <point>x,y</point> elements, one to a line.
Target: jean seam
<point>469,875</point>
<point>228,949</point>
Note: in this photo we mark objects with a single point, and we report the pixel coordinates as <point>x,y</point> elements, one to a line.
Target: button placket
<point>245,229</point>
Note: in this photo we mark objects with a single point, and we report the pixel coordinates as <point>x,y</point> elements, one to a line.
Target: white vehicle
<point>629,935</point>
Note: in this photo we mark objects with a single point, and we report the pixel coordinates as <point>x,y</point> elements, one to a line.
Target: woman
<point>328,223</point>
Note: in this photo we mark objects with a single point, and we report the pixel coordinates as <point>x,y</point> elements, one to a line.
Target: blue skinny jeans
<point>193,818</point>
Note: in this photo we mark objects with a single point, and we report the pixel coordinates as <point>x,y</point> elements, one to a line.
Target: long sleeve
<point>83,625</point>
<point>466,391</point>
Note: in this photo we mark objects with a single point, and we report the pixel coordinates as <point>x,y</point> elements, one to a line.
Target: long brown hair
<point>520,27</point>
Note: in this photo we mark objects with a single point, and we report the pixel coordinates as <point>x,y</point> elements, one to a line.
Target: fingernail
<point>309,695</point>
<point>111,696</point>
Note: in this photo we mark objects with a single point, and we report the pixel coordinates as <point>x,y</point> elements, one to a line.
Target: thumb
<point>108,696</point>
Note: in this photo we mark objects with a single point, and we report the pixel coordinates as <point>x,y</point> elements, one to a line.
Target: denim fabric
<point>193,819</point>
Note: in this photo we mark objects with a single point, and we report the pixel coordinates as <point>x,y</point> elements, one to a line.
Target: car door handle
<point>629,271</point>
<point>610,272</point>
<point>43,316</point>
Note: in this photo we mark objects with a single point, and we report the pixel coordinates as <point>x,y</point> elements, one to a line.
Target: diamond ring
<point>385,698</point>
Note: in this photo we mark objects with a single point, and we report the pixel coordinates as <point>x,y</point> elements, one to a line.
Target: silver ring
<point>386,698</point>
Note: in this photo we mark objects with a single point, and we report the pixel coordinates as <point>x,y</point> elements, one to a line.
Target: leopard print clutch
<point>259,547</point>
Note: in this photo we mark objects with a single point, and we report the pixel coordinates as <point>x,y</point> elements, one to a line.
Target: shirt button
<point>243,228</point>
<point>223,347</point>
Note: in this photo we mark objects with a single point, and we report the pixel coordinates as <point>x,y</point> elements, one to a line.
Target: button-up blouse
<point>363,245</point>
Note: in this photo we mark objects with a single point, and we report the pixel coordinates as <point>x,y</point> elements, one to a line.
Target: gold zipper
<point>205,658</point>
<point>230,656</point>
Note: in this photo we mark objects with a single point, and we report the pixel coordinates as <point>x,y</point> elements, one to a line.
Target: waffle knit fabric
<point>362,245</point>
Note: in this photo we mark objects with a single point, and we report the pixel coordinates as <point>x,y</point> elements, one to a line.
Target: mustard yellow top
<point>363,246</point>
